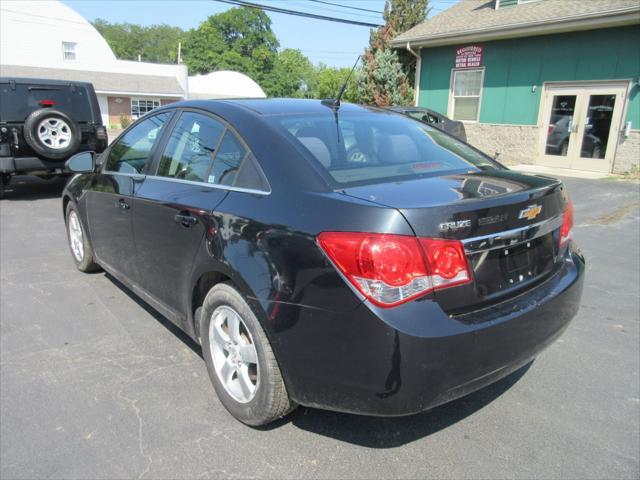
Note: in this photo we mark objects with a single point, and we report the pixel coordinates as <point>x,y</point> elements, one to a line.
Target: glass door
<point>581,125</point>
<point>561,128</point>
<point>599,127</point>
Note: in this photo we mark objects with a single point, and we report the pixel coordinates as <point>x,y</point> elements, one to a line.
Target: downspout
<point>418,68</point>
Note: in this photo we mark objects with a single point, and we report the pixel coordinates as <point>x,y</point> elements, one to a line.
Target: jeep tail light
<point>567,223</point>
<point>47,103</point>
<point>392,269</point>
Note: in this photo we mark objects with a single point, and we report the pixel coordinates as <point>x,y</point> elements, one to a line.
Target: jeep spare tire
<point>51,134</point>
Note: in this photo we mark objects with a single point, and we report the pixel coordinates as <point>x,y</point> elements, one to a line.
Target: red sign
<point>469,56</point>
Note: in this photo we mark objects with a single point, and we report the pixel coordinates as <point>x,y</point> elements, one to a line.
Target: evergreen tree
<point>385,77</point>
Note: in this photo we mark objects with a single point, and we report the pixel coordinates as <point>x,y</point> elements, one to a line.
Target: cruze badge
<point>531,212</point>
<point>453,226</point>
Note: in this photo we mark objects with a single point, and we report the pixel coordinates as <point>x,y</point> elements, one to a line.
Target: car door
<point>172,208</point>
<point>110,202</point>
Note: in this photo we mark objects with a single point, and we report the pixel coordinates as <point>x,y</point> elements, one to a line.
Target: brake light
<point>47,103</point>
<point>447,262</point>
<point>392,269</point>
<point>567,223</point>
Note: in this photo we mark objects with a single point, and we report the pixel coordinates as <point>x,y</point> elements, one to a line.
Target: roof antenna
<point>335,102</point>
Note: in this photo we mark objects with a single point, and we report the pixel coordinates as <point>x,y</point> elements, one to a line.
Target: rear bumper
<point>414,357</point>
<point>28,164</point>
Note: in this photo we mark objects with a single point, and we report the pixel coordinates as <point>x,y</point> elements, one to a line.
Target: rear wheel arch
<point>205,282</point>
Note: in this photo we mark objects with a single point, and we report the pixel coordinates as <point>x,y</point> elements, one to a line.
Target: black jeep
<point>43,123</point>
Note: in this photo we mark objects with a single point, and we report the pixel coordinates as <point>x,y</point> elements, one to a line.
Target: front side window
<point>132,152</point>
<point>140,107</point>
<point>191,148</point>
<point>466,92</point>
<point>69,51</point>
<point>360,148</point>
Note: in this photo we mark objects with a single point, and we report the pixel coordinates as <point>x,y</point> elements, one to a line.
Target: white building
<point>224,84</point>
<point>48,39</point>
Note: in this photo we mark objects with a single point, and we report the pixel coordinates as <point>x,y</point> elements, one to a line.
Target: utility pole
<point>179,53</point>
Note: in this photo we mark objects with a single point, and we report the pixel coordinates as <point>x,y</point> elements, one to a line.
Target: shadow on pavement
<point>29,188</point>
<point>186,339</point>
<point>365,431</point>
<point>391,432</point>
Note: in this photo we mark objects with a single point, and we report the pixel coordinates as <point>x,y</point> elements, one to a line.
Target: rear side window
<point>16,104</point>
<point>132,152</point>
<point>361,147</point>
<point>227,161</point>
<point>191,148</point>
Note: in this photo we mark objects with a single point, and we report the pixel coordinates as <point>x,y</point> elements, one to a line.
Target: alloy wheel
<point>234,354</point>
<point>76,239</point>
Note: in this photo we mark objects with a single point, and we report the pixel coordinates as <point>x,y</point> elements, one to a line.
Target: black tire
<point>564,148</point>
<point>30,132</point>
<point>597,151</point>
<point>271,400</point>
<point>87,264</point>
<point>4,181</point>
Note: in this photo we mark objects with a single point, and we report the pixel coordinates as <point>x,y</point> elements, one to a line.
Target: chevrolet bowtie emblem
<point>531,212</point>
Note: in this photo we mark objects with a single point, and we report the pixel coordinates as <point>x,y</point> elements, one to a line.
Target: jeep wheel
<point>51,134</point>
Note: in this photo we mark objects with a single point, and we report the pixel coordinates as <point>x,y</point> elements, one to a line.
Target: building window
<point>140,107</point>
<point>69,51</point>
<point>466,93</point>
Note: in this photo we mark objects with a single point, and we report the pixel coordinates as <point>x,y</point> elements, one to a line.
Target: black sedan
<point>426,115</point>
<point>346,258</point>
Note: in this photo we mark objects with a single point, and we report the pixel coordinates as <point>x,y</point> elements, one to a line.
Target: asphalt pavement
<point>95,384</point>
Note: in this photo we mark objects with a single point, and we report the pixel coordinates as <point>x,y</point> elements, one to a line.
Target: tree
<point>155,43</point>
<point>238,39</point>
<point>293,75</point>
<point>330,80</point>
<point>385,76</point>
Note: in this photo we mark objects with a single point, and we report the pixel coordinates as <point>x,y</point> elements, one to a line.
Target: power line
<point>346,6</point>
<point>242,3</point>
<point>320,9</point>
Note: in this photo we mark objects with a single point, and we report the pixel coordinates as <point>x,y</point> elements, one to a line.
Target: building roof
<point>103,82</point>
<point>224,84</point>
<point>477,20</point>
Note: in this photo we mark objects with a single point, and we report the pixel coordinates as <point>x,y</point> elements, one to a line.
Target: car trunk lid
<point>508,222</point>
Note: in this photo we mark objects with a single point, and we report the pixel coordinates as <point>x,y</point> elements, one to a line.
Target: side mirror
<point>83,162</point>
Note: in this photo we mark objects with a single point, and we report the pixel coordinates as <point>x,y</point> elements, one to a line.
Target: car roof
<point>272,106</point>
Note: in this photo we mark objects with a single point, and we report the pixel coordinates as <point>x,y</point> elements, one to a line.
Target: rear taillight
<point>392,269</point>
<point>567,223</point>
<point>101,132</point>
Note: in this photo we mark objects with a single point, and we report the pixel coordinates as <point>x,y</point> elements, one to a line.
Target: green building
<point>549,82</point>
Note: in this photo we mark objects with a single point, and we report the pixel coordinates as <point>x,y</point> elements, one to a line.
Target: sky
<point>334,44</point>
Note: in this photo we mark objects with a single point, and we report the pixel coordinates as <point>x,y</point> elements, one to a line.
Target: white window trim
<point>145,99</point>
<point>75,51</point>
<point>451,103</point>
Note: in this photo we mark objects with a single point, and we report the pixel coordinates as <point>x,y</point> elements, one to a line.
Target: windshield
<point>358,147</point>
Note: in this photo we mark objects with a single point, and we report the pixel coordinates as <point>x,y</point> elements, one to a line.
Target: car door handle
<point>122,204</point>
<point>185,219</point>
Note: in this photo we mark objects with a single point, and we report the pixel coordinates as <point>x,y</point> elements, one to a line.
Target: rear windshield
<point>375,147</point>
<point>16,104</point>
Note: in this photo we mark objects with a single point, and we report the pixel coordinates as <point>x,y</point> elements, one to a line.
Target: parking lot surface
<point>95,384</point>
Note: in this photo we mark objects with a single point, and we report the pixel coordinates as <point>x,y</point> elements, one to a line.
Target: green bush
<point>125,120</point>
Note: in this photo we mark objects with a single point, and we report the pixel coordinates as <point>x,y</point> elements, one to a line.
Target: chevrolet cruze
<point>333,256</point>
